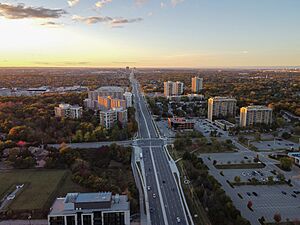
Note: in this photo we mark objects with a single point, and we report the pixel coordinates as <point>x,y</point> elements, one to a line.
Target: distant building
<point>197,84</point>
<point>68,111</point>
<point>101,208</point>
<point>219,107</point>
<point>112,91</point>
<point>128,98</point>
<point>109,97</point>
<point>5,92</point>
<point>180,124</point>
<point>255,114</point>
<point>168,87</point>
<point>110,117</point>
<point>173,88</point>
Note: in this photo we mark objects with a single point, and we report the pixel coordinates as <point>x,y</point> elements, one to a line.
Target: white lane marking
<point>158,188</point>
<point>143,114</point>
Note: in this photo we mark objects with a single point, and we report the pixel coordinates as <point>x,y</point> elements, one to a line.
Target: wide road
<point>166,205</point>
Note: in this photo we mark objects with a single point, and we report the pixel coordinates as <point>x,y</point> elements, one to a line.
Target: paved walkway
<point>24,222</point>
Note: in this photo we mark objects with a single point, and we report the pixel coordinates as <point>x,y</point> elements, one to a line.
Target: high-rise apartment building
<point>68,111</point>
<point>255,114</point>
<point>173,88</point>
<point>100,208</point>
<point>168,87</point>
<point>197,84</point>
<point>219,107</point>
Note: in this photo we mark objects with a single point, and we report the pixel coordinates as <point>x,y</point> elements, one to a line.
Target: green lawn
<point>41,187</point>
<point>295,139</point>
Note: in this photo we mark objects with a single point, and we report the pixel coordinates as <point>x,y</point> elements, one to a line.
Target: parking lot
<point>267,199</point>
<point>274,145</point>
<point>164,129</point>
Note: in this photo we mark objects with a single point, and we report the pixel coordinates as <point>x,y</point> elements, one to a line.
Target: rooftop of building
<point>222,98</point>
<point>68,106</point>
<point>256,107</point>
<point>110,89</point>
<point>117,202</point>
<point>88,197</point>
<point>180,120</point>
<point>225,122</point>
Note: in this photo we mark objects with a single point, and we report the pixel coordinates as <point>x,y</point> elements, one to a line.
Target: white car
<point>148,188</point>
<point>154,195</point>
<point>10,197</point>
<point>178,219</point>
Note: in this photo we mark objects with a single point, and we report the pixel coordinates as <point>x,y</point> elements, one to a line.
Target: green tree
<point>277,217</point>
<point>237,179</point>
<point>286,163</point>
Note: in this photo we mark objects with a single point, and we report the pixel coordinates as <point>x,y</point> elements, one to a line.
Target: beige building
<point>197,84</point>
<point>68,111</point>
<point>110,117</point>
<point>255,114</point>
<point>219,107</point>
<point>173,88</point>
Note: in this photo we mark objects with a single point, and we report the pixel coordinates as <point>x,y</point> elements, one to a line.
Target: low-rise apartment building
<point>68,111</point>
<point>180,124</point>
<point>109,118</point>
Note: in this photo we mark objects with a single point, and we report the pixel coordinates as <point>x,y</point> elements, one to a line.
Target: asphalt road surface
<point>166,205</point>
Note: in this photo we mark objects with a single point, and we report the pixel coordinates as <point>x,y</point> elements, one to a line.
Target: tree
<point>237,179</point>
<point>286,135</point>
<point>286,163</point>
<point>277,217</point>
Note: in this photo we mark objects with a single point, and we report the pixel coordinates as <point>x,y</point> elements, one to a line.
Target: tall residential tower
<point>255,114</point>
<point>197,84</point>
<point>219,107</point>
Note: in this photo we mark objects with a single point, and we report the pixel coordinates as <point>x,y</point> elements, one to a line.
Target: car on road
<point>283,192</point>
<point>178,219</point>
<point>244,174</point>
<point>148,188</point>
<point>254,193</point>
<point>248,193</point>
<point>296,192</point>
<point>154,195</point>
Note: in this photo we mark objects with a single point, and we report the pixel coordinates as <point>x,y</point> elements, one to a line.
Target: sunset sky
<point>150,33</point>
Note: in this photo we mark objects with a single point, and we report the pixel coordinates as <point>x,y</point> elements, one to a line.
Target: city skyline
<point>141,33</point>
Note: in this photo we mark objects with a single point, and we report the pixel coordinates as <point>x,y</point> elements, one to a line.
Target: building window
<point>97,218</point>
<point>116,218</point>
<point>70,220</point>
<point>87,219</point>
<point>57,220</point>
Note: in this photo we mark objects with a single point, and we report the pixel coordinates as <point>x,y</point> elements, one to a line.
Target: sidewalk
<point>24,222</point>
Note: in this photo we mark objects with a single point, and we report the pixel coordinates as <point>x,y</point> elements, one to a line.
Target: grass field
<point>41,187</point>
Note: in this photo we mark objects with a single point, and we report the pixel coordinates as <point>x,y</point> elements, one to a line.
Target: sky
<point>149,33</point>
